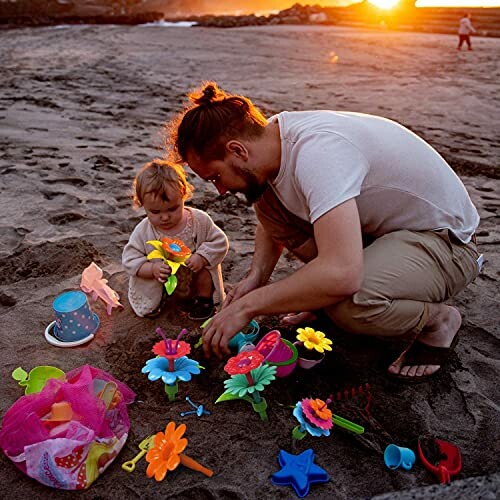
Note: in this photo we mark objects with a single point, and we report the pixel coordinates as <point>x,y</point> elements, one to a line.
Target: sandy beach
<point>83,107</point>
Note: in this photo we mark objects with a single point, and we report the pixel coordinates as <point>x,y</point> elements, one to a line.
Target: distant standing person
<point>464,30</point>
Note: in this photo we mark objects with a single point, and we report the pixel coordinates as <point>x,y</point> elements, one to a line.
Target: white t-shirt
<point>398,180</point>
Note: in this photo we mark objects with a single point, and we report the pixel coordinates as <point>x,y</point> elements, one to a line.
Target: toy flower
<point>183,369</point>
<point>175,249</point>
<point>318,413</point>
<point>240,386</point>
<point>169,249</point>
<point>244,363</point>
<point>174,253</point>
<point>306,425</point>
<point>171,349</point>
<point>164,456</point>
<point>313,339</point>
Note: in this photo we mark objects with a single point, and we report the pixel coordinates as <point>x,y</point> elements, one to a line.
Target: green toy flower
<point>238,385</point>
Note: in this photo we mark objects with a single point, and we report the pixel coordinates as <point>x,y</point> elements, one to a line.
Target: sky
<point>458,3</point>
<point>441,3</point>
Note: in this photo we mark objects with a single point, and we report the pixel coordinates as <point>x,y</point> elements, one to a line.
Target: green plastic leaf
<point>171,284</point>
<point>226,396</point>
<point>19,374</point>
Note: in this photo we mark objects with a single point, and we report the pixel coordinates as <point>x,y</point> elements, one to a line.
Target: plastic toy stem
<point>347,424</point>
<point>171,391</point>
<point>260,406</point>
<point>171,365</point>
<point>249,378</point>
<point>194,465</point>
<point>298,433</point>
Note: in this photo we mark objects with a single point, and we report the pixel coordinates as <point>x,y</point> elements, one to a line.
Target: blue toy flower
<point>183,369</point>
<point>298,413</point>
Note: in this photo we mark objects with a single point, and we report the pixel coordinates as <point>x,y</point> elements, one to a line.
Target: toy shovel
<point>144,446</point>
<point>449,461</point>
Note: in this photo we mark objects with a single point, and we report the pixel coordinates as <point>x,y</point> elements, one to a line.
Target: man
<point>383,225</point>
<point>464,31</point>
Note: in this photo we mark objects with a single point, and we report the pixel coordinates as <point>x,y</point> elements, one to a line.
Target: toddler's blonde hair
<point>155,177</point>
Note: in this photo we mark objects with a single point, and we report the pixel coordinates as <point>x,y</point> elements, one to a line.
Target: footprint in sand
<point>65,218</point>
<point>73,181</point>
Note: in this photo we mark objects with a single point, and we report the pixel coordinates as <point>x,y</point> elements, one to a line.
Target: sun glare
<point>384,4</point>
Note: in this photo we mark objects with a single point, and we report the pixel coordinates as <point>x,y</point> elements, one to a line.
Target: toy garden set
<point>68,427</point>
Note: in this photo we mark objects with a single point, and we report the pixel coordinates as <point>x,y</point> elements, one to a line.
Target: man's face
<point>230,174</point>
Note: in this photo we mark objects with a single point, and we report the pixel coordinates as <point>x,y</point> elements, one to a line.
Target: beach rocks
<point>297,14</point>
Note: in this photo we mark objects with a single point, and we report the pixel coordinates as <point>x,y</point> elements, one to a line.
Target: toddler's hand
<point>196,263</point>
<point>161,271</point>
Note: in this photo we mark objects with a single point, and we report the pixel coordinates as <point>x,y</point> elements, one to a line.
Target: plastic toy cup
<point>75,321</point>
<point>396,456</point>
<point>240,339</point>
<point>278,352</point>
<point>307,363</point>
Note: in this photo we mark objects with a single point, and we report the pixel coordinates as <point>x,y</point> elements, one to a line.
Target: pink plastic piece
<point>92,282</point>
<point>275,350</point>
<point>72,455</point>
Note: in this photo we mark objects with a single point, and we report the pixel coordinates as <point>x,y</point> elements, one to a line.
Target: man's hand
<point>222,328</point>
<point>196,263</point>
<point>242,288</point>
<point>160,270</point>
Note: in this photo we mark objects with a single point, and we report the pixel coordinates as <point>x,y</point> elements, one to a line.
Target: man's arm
<point>336,273</point>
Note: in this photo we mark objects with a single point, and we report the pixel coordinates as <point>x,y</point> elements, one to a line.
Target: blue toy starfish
<point>299,471</point>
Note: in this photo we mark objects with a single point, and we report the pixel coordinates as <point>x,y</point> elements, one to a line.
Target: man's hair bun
<point>208,94</point>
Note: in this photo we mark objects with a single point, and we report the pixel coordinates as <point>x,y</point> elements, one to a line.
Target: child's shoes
<point>202,309</point>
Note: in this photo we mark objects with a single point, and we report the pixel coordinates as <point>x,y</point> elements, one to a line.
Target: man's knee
<point>377,316</point>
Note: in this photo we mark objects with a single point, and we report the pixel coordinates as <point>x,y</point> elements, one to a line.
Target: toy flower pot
<point>307,358</point>
<point>246,336</point>
<point>278,352</point>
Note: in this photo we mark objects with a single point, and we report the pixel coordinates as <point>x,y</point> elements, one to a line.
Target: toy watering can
<point>37,378</point>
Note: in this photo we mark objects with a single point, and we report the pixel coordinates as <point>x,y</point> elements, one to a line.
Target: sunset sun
<point>384,4</point>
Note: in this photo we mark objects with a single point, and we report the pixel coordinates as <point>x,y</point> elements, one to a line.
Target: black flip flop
<point>423,354</point>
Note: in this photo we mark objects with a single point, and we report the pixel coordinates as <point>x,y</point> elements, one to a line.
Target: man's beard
<point>254,189</point>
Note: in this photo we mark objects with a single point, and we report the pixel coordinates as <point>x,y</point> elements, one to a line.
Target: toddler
<point>161,189</point>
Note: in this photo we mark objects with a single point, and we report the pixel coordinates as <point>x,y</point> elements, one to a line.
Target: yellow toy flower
<point>313,339</point>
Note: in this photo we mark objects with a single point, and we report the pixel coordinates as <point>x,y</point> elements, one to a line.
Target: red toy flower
<point>175,250</point>
<point>244,362</point>
<point>177,349</point>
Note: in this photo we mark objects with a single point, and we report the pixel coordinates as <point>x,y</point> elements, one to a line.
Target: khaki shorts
<point>403,272</point>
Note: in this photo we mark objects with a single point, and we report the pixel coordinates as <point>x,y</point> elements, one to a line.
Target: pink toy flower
<point>318,413</point>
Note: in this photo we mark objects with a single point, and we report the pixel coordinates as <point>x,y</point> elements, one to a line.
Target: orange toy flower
<point>175,250</point>
<point>320,409</point>
<point>165,455</point>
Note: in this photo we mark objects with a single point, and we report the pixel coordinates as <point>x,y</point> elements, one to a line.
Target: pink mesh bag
<point>73,453</point>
